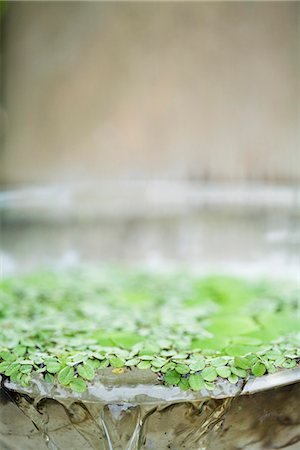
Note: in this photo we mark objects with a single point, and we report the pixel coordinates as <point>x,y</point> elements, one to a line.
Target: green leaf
<point>172,377</point>
<point>184,384</point>
<point>151,349</point>
<point>209,343</point>
<point>158,362</point>
<point>223,371</point>
<point>183,369</point>
<point>239,372</point>
<point>25,380</point>
<point>97,356</point>
<point>146,357</point>
<point>20,350</point>
<point>125,340</point>
<point>180,356</point>
<point>273,354</point>
<point>218,362</point>
<point>94,363</point>
<point>233,379</point>
<point>209,386</point>
<point>15,377</point>
<point>280,361</point>
<point>78,385</point>
<point>18,378</point>
<point>4,365</point>
<point>12,368</point>
<point>196,382</point>
<point>26,368</point>
<point>66,375</point>
<point>86,372</point>
<point>270,367</point>
<point>76,359</point>
<point>197,364</point>
<point>258,369</point>
<point>155,369</point>
<point>231,325</point>
<point>103,364</point>
<point>53,366</point>
<point>242,363</point>
<point>116,362</point>
<point>132,362</point>
<point>209,374</point>
<point>49,378</point>
<point>144,365</point>
<point>7,356</point>
<point>241,350</point>
<point>289,364</point>
<point>168,366</point>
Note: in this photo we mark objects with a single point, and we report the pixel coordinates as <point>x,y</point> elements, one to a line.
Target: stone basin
<point>133,411</point>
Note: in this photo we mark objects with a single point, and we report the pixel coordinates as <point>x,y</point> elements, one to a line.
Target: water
<point>265,420</point>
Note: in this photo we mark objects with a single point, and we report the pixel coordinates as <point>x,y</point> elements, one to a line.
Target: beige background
<point>151,90</point>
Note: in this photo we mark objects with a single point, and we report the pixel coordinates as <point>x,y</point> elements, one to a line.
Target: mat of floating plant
<point>68,328</point>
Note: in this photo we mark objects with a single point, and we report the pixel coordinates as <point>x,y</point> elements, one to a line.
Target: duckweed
<point>190,331</point>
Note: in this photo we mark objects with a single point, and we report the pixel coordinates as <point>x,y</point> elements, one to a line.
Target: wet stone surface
<point>265,420</point>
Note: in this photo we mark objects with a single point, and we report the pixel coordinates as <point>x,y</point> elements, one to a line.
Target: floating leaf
<point>116,362</point>
<point>196,382</point>
<point>168,366</point>
<point>94,363</point>
<point>158,362</point>
<point>218,362</point>
<point>78,385</point>
<point>12,368</point>
<point>209,386</point>
<point>7,356</point>
<point>289,363</point>
<point>144,365</point>
<point>184,384</point>
<point>20,350</point>
<point>183,369</point>
<point>198,364</point>
<point>86,371</point>
<point>104,363</point>
<point>172,377</point>
<point>241,350</point>
<point>4,365</point>
<point>25,380</point>
<point>66,375</point>
<point>258,369</point>
<point>231,325</point>
<point>26,368</point>
<point>209,374</point>
<point>53,366</point>
<point>49,378</point>
<point>132,362</point>
<point>239,372</point>
<point>223,371</point>
<point>242,363</point>
<point>233,378</point>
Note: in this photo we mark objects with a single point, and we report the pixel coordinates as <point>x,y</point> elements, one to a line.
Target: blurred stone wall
<point>151,90</point>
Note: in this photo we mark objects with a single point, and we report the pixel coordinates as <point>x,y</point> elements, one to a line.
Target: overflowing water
<point>264,420</point>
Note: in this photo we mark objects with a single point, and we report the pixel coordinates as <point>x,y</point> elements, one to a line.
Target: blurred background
<point>178,90</point>
<point>150,131</point>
